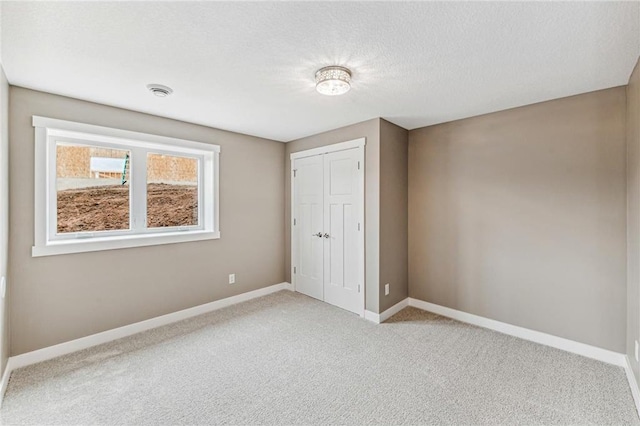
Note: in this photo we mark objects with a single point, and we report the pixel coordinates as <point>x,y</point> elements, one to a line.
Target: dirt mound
<point>107,207</point>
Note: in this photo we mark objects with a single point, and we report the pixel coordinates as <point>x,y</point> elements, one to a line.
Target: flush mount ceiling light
<point>333,80</point>
<point>160,90</point>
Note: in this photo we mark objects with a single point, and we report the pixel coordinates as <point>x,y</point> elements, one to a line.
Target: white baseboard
<point>380,318</point>
<point>5,380</point>
<point>65,348</point>
<point>633,383</point>
<point>372,316</point>
<point>583,349</point>
<point>55,351</point>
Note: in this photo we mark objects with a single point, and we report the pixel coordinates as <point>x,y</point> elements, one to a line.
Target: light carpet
<point>289,359</point>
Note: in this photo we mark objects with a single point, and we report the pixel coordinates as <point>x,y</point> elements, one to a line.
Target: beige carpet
<point>289,359</point>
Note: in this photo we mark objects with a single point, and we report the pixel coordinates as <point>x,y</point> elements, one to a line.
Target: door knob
<point>319,235</point>
<point>326,235</point>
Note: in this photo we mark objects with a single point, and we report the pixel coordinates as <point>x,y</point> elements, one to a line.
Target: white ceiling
<point>249,67</point>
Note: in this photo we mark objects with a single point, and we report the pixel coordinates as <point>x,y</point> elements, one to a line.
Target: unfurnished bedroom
<point>319,213</point>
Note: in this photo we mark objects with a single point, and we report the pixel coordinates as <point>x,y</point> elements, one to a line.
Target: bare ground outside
<point>107,207</point>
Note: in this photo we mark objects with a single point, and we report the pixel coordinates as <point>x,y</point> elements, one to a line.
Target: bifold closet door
<point>341,224</point>
<point>309,228</point>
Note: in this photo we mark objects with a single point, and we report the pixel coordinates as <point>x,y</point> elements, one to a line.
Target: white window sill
<point>120,242</point>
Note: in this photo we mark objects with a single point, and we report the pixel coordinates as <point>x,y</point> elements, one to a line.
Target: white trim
<point>567,345</point>
<point>51,132</point>
<point>633,384</point>
<point>372,316</point>
<point>65,348</point>
<point>355,143</point>
<point>53,123</point>
<point>380,318</point>
<point>5,379</point>
<point>55,351</point>
<point>292,221</point>
<point>361,217</point>
<point>394,310</point>
<point>120,242</point>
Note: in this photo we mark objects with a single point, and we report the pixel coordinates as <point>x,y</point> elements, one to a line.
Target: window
<point>99,188</point>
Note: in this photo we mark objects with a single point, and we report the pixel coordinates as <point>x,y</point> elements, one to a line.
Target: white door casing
<point>340,170</point>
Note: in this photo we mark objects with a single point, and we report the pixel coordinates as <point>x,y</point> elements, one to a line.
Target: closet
<point>327,243</point>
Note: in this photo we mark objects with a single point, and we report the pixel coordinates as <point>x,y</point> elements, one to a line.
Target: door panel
<point>308,213</point>
<point>342,284</point>
<point>350,250</point>
<point>340,176</point>
<point>336,248</point>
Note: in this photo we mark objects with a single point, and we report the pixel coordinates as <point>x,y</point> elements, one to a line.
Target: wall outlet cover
<point>386,289</point>
<point>232,278</point>
<point>636,351</point>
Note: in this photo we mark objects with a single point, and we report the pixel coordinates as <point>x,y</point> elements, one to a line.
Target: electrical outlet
<point>232,278</point>
<point>3,287</point>
<point>386,289</point>
<point>636,351</point>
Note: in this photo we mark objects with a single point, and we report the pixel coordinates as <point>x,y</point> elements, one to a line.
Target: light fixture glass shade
<point>333,80</point>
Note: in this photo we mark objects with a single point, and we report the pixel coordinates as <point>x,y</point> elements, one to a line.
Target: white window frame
<point>49,131</point>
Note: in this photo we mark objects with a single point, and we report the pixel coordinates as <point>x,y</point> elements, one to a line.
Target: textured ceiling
<point>249,67</point>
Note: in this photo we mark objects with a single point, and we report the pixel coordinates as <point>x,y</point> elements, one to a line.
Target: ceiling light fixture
<point>160,90</point>
<point>333,80</point>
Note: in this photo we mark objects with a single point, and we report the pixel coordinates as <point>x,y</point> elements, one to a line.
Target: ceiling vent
<point>160,90</point>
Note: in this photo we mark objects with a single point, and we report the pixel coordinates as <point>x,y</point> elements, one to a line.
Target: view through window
<point>92,186</point>
<point>172,191</point>
<point>100,188</point>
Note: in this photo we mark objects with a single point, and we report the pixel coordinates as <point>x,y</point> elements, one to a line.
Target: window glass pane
<point>172,191</point>
<point>92,186</point>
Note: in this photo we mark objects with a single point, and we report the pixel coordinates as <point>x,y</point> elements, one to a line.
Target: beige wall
<point>394,144</point>
<point>371,131</point>
<point>4,216</point>
<point>633,217</point>
<point>59,298</point>
<point>519,216</point>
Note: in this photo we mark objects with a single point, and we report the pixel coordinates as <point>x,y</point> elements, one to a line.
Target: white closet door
<point>342,280</point>
<point>309,227</point>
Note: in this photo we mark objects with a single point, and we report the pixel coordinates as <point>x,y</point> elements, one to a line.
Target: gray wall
<point>519,216</point>
<point>371,131</point>
<point>633,217</point>
<point>4,216</point>
<point>59,298</point>
<point>394,151</point>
